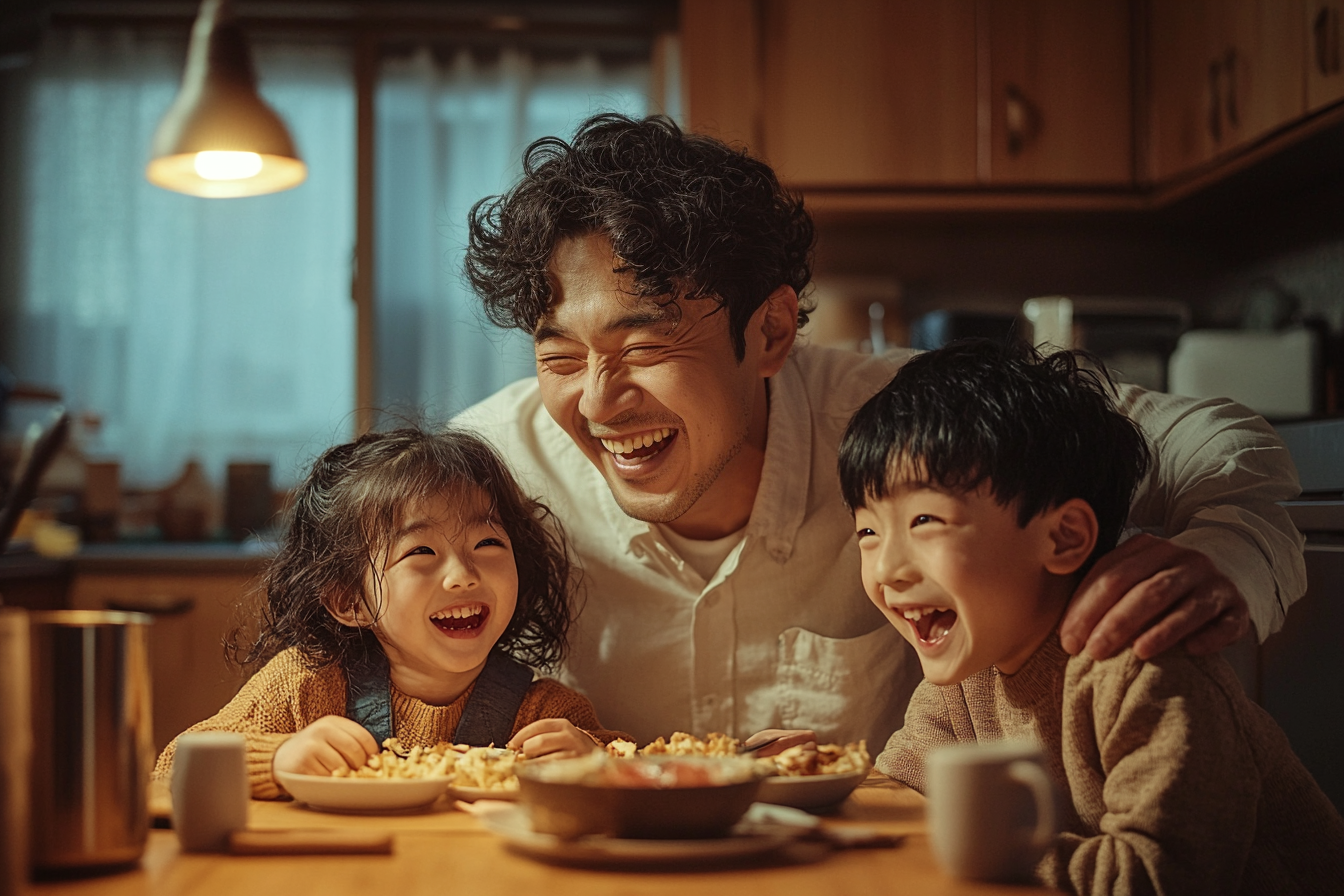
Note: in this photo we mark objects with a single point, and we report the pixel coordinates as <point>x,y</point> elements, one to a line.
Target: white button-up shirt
<point>782,635</point>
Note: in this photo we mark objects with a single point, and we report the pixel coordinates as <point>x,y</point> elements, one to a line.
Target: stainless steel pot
<point>92,735</point>
<point>15,749</point>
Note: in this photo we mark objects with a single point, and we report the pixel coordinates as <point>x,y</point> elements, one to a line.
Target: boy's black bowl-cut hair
<point>1040,430</point>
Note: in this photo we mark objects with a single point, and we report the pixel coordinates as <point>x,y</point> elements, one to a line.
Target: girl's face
<point>444,594</point>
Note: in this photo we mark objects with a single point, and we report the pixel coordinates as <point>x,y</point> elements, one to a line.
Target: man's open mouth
<point>644,444</point>
<point>931,623</point>
<point>461,619</point>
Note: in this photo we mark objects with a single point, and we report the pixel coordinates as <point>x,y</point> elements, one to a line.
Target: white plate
<point>364,795</point>
<point>764,829</point>
<point>809,791</point>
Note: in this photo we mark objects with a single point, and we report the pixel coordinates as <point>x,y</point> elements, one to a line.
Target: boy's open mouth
<point>931,623</point>
<point>642,445</point>
<point>461,619</point>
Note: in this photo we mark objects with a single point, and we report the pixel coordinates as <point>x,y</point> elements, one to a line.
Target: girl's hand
<point>552,738</point>
<point>330,743</point>
<point>784,738</point>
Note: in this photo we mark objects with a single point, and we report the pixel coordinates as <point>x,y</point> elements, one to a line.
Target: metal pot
<point>93,738</point>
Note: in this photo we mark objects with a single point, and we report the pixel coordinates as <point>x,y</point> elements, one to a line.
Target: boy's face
<point>449,586</point>
<point>957,576</point>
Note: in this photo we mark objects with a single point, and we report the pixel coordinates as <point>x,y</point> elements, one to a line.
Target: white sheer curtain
<point>196,328</point>
<point>451,130</point>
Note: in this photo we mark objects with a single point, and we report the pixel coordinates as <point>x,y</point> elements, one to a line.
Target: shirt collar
<point>786,476</point>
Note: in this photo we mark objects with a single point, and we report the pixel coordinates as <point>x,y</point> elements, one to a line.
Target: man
<point>687,442</point>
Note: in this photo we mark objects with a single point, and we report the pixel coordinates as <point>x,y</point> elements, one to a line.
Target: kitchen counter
<point>446,850</point>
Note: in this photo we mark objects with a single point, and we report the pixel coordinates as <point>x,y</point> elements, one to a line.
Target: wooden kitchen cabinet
<point>1060,98</point>
<point>192,614</point>
<point>1223,73</point>
<point>855,94</point>
<point>868,94</point>
<point>1325,34</point>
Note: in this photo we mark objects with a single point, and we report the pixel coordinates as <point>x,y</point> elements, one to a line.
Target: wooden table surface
<point>446,851</point>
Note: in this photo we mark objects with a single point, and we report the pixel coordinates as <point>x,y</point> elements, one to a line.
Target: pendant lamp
<point>220,138</point>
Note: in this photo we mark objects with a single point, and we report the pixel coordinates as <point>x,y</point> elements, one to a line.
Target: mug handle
<point>1035,779</point>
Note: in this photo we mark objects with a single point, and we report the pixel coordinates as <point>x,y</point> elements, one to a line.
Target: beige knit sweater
<point>287,695</point>
<point>1176,782</point>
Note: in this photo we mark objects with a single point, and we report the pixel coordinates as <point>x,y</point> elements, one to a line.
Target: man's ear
<point>1073,535</point>
<point>778,322</point>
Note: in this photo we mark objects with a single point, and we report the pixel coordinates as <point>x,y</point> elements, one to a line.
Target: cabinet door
<point>192,616</point>
<point>1060,97</point>
<point>868,94</point>
<point>1224,72</point>
<point>1325,53</point>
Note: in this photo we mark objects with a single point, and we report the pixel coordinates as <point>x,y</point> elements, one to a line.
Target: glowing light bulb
<point>227,165</point>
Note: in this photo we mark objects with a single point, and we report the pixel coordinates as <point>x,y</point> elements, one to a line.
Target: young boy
<point>984,481</point>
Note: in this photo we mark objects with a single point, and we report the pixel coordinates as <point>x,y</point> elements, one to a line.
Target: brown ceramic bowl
<point>646,798</point>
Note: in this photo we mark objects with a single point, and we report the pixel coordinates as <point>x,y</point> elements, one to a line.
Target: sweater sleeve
<point>549,699</point>
<point>929,723</point>
<point>1179,786</point>
<point>275,703</point>
<point>1217,476</point>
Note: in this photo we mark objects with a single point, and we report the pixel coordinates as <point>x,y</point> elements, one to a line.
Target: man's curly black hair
<point>344,517</point>
<point>689,216</point>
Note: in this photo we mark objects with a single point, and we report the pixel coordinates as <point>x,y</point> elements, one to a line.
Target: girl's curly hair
<point>689,216</point>
<point>344,516</point>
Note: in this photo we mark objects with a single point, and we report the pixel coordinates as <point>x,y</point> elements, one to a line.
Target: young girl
<point>414,582</point>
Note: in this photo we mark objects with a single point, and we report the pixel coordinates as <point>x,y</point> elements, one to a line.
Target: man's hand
<point>1156,594</point>
<point>552,738</point>
<point>330,743</point>
<point>786,737</point>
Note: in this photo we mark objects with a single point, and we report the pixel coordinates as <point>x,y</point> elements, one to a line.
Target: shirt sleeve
<point>275,703</point>
<point>1217,476</point>
<point>1180,787</point>
<point>928,724</point>
<point>549,699</point>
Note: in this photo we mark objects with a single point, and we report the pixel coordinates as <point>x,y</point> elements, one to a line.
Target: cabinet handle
<point>1021,120</point>
<point>153,604</point>
<point>1233,112</point>
<point>1215,101</point>
<point>1325,40</point>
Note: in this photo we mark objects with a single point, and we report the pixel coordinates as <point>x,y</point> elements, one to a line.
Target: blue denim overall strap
<point>368,695</point>
<point>493,705</point>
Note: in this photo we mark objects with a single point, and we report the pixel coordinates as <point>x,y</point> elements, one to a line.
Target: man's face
<point>653,394</point>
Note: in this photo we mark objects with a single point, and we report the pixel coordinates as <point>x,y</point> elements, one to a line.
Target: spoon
<point>759,744</point>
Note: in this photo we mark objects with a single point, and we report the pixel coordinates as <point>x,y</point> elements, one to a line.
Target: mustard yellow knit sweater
<point>287,695</point>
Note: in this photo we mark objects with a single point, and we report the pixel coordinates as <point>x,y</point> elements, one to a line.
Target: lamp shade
<point>220,138</point>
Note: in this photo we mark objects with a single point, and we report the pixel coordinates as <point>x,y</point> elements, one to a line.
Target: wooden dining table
<point>446,850</point>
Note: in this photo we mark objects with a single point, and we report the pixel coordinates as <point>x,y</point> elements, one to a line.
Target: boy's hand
<point>1174,593</point>
<point>330,743</point>
<point>790,737</point>
<point>552,738</point>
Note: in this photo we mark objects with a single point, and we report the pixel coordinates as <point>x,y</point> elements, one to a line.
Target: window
<point>224,330</point>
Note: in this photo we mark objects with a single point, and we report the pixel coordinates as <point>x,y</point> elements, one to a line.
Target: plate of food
<point>400,779</point>
<point>802,777</point>
<point>362,795</point>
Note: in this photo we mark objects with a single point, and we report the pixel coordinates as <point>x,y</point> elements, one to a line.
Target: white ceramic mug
<point>210,789</point>
<point>991,809</point>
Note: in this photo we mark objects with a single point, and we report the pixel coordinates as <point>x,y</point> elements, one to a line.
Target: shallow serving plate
<point>809,791</point>
<point>762,830</point>
<point>362,795</point>
<point>472,794</point>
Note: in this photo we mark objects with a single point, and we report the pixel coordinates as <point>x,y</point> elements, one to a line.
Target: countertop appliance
<point>1300,676</point>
